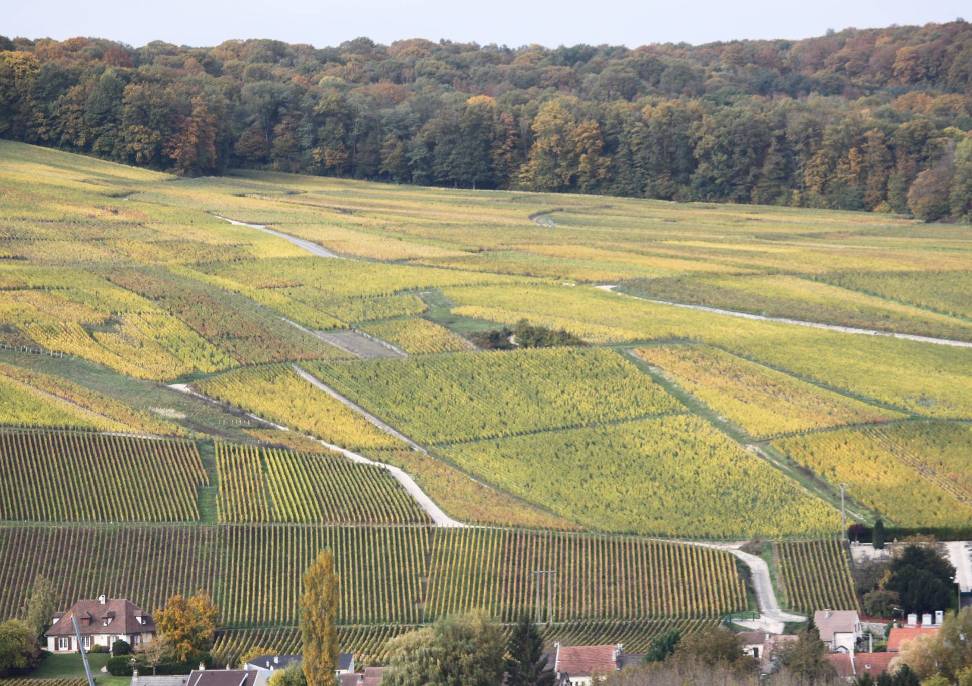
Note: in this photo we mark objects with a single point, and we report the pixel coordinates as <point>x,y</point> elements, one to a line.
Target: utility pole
<point>549,574</point>
<point>843,515</point>
<point>84,653</point>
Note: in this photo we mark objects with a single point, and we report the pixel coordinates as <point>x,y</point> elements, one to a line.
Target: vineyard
<point>391,575</point>
<point>468,396</point>
<point>417,336</point>
<point>665,475</point>
<point>43,682</point>
<point>634,579</point>
<point>37,399</point>
<point>816,575</point>
<point>919,479</point>
<point>267,485</point>
<point>279,394</point>
<point>762,401</point>
<point>144,564</point>
<point>928,380</point>
<point>62,476</point>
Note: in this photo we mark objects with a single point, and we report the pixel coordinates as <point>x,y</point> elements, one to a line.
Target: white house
<point>839,629</point>
<point>101,622</point>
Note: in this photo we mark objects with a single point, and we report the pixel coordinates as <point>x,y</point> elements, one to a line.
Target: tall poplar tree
<point>318,614</point>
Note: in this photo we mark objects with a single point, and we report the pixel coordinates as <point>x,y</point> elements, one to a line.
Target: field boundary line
<point>612,288</point>
<point>351,405</point>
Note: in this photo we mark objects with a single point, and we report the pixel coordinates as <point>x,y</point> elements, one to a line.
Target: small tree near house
<point>188,625</point>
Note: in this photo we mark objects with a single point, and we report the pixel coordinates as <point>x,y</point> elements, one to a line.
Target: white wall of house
<point>68,644</point>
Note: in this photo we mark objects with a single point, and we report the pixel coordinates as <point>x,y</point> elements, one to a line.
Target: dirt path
<point>797,322</point>
<point>309,246</point>
<point>544,219</point>
<point>307,376</point>
<point>436,514</point>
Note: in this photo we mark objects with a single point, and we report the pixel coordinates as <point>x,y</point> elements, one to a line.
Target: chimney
<point>102,599</point>
<point>276,659</point>
<point>926,619</point>
<point>939,617</point>
<point>202,666</point>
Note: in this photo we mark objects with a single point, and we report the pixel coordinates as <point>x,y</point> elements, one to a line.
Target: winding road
<point>309,246</point>
<point>612,288</point>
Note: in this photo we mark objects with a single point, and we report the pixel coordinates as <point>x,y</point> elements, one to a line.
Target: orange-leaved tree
<point>188,625</point>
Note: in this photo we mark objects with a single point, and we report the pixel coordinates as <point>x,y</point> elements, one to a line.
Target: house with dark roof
<point>101,622</point>
<point>225,677</point>
<point>583,665</point>
<point>271,663</point>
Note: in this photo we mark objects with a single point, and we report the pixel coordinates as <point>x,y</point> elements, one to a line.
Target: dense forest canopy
<point>860,119</point>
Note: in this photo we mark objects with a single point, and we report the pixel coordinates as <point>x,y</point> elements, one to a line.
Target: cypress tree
<point>318,614</point>
<point>526,664</point>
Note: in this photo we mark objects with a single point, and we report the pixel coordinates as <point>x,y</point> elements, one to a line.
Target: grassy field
<point>128,306</point>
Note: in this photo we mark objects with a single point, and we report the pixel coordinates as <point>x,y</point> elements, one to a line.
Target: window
<point>64,643</point>
<point>86,642</point>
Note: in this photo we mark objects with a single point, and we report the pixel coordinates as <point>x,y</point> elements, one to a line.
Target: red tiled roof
<point>91,616</point>
<point>848,666</point>
<point>874,664</point>
<point>902,634</point>
<point>842,663</point>
<point>586,660</point>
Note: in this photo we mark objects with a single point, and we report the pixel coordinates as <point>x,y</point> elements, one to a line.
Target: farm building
<point>267,664</point>
<point>583,665</point>
<point>850,666</point>
<point>101,622</point>
<point>839,629</point>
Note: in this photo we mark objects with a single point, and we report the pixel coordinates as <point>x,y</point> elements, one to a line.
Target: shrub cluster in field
<point>59,476</point>
<point>763,401</point>
<point>466,396</point>
<point>919,479</point>
<point>816,574</point>
<point>667,475</point>
<point>279,394</point>
<point>268,485</point>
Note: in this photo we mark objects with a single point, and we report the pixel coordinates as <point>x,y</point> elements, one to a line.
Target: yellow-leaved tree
<point>318,614</point>
<point>188,625</point>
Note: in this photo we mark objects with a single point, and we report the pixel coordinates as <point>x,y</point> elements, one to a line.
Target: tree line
<point>858,119</point>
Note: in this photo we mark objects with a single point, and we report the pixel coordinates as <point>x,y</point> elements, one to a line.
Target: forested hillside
<point>860,119</point>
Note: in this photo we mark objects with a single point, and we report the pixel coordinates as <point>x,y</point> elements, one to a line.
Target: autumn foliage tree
<point>188,625</point>
<point>318,615</point>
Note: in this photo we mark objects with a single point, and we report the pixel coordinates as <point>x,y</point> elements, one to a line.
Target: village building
<point>101,622</point>
<point>840,630</point>
<point>850,666</point>
<point>226,677</point>
<point>267,664</point>
<point>583,665</point>
<point>899,635</point>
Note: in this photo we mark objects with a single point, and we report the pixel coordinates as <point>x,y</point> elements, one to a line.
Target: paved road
<point>309,246</point>
<point>960,553</point>
<point>797,322</point>
<point>772,618</point>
